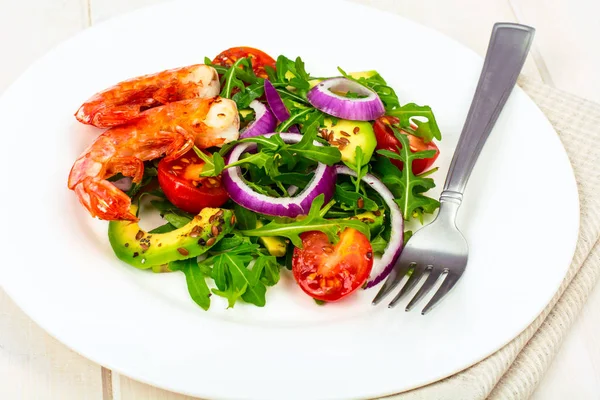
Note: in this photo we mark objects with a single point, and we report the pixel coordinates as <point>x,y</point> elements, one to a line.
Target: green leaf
<point>246,219</point>
<point>255,295</point>
<point>231,294</point>
<point>243,98</point>
<point>376,82</point>
<point>232,80</point>
<point>427,130</point>
<point>378,244</point>
<point>351,199</point>
<point>213,165</point>
<point>407,188</point>
<point>168,227</point>
<point>177,221</point>
<point>195,279</point>
<point>312,222</point>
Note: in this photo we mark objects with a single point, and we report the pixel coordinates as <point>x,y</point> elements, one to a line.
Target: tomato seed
<point>177,167</point>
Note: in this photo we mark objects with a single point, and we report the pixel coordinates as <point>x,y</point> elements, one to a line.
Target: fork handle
<point>506,54</point>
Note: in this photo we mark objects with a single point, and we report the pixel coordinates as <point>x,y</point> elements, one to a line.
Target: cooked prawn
<point>126,100</point>
<point>170,130</point>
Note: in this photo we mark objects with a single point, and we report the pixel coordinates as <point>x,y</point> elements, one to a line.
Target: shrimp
<point>128,99</point>
<point>170,130</point>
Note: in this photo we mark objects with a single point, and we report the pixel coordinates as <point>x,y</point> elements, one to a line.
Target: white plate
<point>520,216</point>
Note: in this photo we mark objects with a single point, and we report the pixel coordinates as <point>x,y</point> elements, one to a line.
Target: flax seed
<point>360,203</point>
<point>232,220</point>
<point>139,235</point>
<point>345,133</point>
<point>215,231</point>
<point>144,246</point>
<point>210,241</point>
<point>183,251</point>
<point>356,130</point>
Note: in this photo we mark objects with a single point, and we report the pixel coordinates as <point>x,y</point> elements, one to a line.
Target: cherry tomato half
<point>330,272</point>
<point>180,180</point>
<point>387,141</point>
<point>258,58</point>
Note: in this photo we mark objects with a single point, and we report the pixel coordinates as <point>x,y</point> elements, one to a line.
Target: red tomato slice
<point>180,180</point>
<point>387,141</point>
<point>258,58</point>
<point>331,272</point>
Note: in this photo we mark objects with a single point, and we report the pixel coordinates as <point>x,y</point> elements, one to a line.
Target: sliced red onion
<point>363,109</point>
<point>382,266</point>
<point>124,183</point>
<point>264,122</point>
<point>277,106</point>
<point>323,181</point>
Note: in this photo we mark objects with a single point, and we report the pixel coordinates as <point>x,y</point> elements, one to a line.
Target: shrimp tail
<point>104,200</point>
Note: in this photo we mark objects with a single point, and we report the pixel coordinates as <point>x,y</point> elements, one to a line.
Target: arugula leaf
<point>378,244</point>
<point>406,187</point>
<point>313,221</point>
<point>168,227</point>
<point>213,166</point>
<point>306,148</point>
<point>243,98</point>
<point>246,219</point>
<point>232,80</point>
<point>376,82</point>
<point>351,199</point>
<point>195,279</point>
<point>427,130</point>
<point>178,221</point>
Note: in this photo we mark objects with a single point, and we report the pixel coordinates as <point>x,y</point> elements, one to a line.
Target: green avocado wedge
<point>144,250</point>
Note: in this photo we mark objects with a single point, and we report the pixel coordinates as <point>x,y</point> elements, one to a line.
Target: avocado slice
<point>348,135</point>
<point>144,250</point>
<point>275,245</point>
<point>373,219</point>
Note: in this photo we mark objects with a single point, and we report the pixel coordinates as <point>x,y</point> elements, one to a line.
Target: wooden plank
<point>466,21</point>
<point>133,390</point>
<point>34,365</point>
<point>567,38</point>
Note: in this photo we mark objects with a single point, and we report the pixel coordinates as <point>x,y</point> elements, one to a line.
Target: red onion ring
<point>364,109</point>
<point>277,106</point>
<point>382,266</point>
<point>264,122</point>
<point>323,181</point>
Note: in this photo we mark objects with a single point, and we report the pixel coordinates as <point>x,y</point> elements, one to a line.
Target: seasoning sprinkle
<point>183,251</point>
<point>136,254</point>
<point>201,242</point>
<point>126,244</point>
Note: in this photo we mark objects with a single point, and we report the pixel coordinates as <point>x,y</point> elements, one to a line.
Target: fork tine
<point>414,278</point>
<point>400,269</point>
<point>434,275</point>
<point>447,285</point>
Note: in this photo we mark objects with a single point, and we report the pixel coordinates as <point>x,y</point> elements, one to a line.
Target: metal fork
<point>440,248</point>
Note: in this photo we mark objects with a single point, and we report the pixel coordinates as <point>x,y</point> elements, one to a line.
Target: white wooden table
<point>34,365</point>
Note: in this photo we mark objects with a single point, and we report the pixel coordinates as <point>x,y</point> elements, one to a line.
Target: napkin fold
<point>514,371</point>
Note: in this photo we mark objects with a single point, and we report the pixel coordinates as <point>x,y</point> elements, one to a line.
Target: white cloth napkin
<point>514,371</point>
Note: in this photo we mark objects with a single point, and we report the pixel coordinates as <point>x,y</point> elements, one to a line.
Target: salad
<point>258,169</point>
